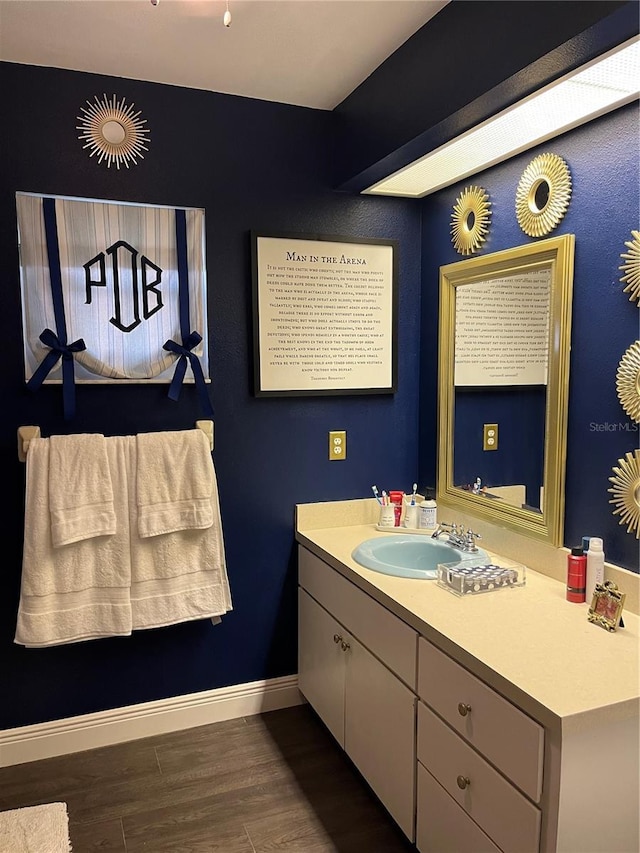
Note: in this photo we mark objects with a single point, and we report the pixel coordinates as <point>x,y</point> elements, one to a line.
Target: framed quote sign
<point>324,315</point>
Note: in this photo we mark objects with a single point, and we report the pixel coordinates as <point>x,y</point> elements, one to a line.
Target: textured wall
<point>475,407</point>
<point>251,165</point>
<point>604,165</point>
<point>467,63</point>
<point>269,167</point>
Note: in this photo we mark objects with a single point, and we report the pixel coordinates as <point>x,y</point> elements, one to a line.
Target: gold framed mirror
<point>503,369</point>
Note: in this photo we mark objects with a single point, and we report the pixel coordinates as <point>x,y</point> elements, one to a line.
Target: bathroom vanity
<point>496,722</point>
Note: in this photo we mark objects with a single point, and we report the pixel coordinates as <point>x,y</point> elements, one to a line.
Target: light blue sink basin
<point>410,556</point>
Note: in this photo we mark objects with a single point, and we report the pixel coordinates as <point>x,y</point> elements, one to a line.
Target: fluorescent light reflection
<point>593,90</point>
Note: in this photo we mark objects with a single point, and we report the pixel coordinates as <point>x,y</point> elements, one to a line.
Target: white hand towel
<point>80,591</point>
<point>80,491</point>
<point>174,482</point>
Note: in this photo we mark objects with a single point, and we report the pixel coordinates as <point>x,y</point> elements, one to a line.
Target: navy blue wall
<point>269,167</point>
<point>250,165</point>
<point>467,63</point>
<point>475,407</point>
<point>603,160</point>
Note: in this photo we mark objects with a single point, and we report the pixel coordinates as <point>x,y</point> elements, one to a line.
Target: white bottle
<point>428,515</point>
<point>595,567</point>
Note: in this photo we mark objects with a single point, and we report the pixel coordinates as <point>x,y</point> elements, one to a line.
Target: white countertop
<point>528,642</point>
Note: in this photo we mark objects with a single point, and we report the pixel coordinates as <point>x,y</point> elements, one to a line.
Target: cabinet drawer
<point>390,640</point>
<point>442,826</point>
<point>507,817</point>
<point>510,739</point>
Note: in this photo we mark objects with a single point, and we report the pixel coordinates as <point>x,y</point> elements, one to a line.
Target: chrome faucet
<point>457,536</point>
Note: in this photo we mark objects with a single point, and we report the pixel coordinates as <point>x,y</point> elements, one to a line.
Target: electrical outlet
<point>337,445</point>
<point>490,437</point>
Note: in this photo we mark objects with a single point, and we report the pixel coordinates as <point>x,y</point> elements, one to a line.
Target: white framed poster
<point>502,330</point>
<point>325,315</point>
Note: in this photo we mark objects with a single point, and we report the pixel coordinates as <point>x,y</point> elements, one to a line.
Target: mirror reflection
<point>503,393</point>
<point>500,377</point>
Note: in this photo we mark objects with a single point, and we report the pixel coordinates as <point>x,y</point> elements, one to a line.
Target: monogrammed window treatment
<point>117,291</point>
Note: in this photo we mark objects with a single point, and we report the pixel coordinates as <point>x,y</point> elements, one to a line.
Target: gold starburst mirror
<point>470,220</point>
<point>631,267</point>
<point>628,382</point>
<point>543,195</point>
<point>114,131</point>
<point>626,491</point>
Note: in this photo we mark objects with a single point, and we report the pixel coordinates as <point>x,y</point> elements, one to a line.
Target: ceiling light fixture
<point>594,89</point>
<point>226,20</point>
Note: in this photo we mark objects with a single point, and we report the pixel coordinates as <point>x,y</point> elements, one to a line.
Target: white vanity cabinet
<point>357,668</point>
<point>492,724</point>
<point>357,665</point>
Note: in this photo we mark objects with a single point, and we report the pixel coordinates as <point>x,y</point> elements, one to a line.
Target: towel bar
<point>207,429</point>
<point>26,433</point>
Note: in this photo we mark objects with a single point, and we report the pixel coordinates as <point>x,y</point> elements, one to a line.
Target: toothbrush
<point>413,494</point>
<point>374,489</point>
<point>384,498</point>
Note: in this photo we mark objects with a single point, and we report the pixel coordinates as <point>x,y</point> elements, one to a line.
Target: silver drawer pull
<point>345,646</point>
<point>463,709</point>
<point>463,782</point>
<point>337,638</point>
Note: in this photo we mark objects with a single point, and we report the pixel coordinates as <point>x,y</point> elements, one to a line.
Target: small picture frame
<point>606,606</point>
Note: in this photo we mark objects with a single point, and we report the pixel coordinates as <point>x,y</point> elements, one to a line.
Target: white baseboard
<point>104,728</point>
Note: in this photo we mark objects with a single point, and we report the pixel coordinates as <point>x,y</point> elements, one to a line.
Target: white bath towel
<point>111,585</point>
<point>174,482</point>
<point>180,575</point>
<point>80,591</point>
<point>80,492</point>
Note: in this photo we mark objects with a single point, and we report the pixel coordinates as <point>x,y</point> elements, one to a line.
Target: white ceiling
<point>306,52</point>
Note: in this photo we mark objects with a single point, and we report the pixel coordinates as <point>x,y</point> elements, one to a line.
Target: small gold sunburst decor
<point>631,267</point>
<point>628,382</point>
<point>470,220</point>
<point>626,491</point>
<point>543,195</point>
<point>114,131</point>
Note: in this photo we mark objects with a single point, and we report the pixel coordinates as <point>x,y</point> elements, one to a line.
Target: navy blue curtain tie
<point>186,355</point>
<point>57,351</point>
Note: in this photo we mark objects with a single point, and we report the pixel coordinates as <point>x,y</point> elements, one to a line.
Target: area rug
<point>37,829</point>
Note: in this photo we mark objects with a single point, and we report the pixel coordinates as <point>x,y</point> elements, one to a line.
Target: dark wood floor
<point>273,782</point>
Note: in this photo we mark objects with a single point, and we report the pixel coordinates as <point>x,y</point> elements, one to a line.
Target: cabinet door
<point>380,733</point>
<point>321,663</point>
